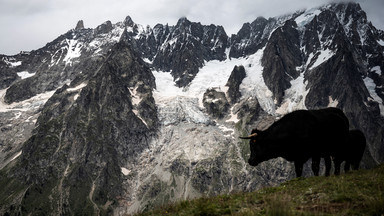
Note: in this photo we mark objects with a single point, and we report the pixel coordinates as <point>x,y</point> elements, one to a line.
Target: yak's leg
<point>298,168</point>
<point>316,165</point>
<point>337,162</point>
<point>328,165</point>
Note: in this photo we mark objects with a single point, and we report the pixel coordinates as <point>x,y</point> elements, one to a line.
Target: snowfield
<point>214,74</point>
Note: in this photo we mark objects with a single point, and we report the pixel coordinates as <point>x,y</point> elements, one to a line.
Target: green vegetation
<point>355,193</point>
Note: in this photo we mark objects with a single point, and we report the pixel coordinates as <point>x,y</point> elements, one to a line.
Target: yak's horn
<point>249,137</point>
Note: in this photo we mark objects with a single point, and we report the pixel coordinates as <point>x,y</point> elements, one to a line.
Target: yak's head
<point>257,146</point>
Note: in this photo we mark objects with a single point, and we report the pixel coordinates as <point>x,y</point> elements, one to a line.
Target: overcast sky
<point>30,24</point>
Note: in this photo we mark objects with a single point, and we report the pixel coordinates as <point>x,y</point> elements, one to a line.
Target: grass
<point>355,193</point>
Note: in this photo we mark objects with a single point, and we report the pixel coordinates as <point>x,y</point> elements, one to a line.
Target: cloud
<point>30,24</point>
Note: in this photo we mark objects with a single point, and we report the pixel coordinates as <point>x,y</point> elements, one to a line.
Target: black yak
<point>354,151</point>
<point>301,135</point>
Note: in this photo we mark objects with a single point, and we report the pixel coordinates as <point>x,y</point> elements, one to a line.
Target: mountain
<point>121,118</point>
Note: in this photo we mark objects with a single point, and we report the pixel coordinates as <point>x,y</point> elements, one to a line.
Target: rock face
<point>184,48</point>
<point>79,25</point>
<point>216,103</point>
<point>122,118</point>
<point>234,82</point>
<point>249,39</point>
<point>282,56</point>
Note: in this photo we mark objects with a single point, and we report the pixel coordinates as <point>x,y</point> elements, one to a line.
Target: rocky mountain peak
<point>129,22</point>
<point>104,28</point>
<point>188,44</point>
<point>79,25</point>
<point>183,21</point>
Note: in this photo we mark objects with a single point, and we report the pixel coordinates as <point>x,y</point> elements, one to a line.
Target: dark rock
<point>215,103</point>
<point>104,28</point>
<point>79,25</point>
<point>7,73</point>
<point>281,57</point>
<point>249,39</point>
<point>129,22</point>
<point>234,82</point>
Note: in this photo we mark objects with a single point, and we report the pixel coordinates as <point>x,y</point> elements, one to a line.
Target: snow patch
<point>253,84</point>
<point>371,86</point>
<point>16,156</point>
<point>14,64</point>
<point>25,74</point>
<point>381,42</point>
<point>136,98</point>
<point>73,51</point>
<point>125,171</point>
<point>377,70</point>
<point>294,98</point>
<point>76,96</point>
<point>147,60</point>
<point>333,103</point>
<point>77,88</point>
<point>138,116</point>
<point>233,117</point>
<point>322,57</point>
<point>11,61</point>
<point>82,85</point>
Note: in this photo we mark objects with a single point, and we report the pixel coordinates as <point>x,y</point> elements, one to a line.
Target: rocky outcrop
<point>215,103</point>
<point>249,38</point>
<point>79,25</point>
<point>234,82</point>
<point>7,72</point>
<point>104,28</point>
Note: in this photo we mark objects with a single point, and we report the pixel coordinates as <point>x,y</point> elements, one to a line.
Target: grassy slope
<point>355,193</point>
